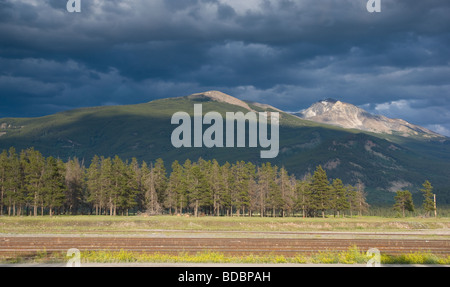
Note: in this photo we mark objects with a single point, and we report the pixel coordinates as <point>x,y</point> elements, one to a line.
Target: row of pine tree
<point>31,184</point>
<point>404,201</point>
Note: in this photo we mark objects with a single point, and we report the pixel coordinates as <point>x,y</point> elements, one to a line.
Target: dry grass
<point>139,225</point>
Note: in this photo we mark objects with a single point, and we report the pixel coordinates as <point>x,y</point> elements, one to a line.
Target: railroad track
<point>229,246</point>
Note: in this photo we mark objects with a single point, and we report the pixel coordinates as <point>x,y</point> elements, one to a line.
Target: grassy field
<point>143,225</point>
<point>351,256</point>
<point>163,226</point>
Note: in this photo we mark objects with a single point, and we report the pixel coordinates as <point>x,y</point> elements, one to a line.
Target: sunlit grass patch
<point>88,225</point>
<point>415,258</point>
<point>351,256</point>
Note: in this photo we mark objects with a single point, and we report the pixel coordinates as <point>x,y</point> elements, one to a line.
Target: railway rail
<point>229,246</point>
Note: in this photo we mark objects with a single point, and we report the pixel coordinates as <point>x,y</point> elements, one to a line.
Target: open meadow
<point>165,239</point>
<point>145,226</point>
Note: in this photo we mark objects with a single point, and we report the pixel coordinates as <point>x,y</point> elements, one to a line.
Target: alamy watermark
<point>373,6</point>
<point>75,260</point>
<point>375,257</point>
<point>73,6</point>
<point>235,134</point>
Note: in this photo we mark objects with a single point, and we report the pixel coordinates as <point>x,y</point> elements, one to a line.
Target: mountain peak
<point>220,97</point>
<point>345,115</point>
<point>329,100</point>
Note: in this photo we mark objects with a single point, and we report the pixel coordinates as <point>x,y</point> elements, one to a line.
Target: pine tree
<point>265,181</point>
<point>340,199</point>
<point>428,200</point>
<point>274,197</point>
<point>118,188</point>
<point>33,164</point>
<point>95,196</point>
<point>253,191</point>
<point>403,201</point>
<point>15,193</point>
<point>136,174</point>
<point>200,190</point>
<point>152,204</point>
<point>3,177</point>
<point>249,186</point>
<point>10,182</point>
<point>217,185</point>
<point>188,183</point>
<point>287,191</point>
<point>352,196</point>
<point>225,193</point>
<point>320,191</point>
<point>75,183</point>
<point>181,188</point>
<point>160,177</point>
<point>175,189</point>
<point>107,182</point>
<point>239,187</point>
<point>112,186</point>
<point>207,198</point>
<point>53,184</point>
<point>361,195</point>
<point>303,194</point>
<point>128,189</point>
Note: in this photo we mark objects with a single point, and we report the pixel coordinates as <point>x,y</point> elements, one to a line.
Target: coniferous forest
<point>31,184</point>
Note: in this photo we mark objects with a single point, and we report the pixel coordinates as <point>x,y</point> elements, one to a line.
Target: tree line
<point>31,184</point>
<point>404,201</point>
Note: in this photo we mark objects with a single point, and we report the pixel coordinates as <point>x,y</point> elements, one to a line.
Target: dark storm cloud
<point>284,53</point>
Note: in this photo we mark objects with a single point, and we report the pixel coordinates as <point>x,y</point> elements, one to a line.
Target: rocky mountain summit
<point>220,97</point>
<point>348,116</point>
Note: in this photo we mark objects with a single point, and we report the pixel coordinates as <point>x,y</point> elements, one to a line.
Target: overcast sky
<point>285,53</point>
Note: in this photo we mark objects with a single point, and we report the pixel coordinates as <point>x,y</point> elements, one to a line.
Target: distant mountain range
<point>351,144</point>
<point>348,116</point>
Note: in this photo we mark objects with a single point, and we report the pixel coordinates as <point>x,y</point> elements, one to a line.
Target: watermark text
<point>374,6</point>
<point>73,6</point>
<point>235,134</point>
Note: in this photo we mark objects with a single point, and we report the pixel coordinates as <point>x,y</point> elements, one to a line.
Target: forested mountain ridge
<point>383,163</point>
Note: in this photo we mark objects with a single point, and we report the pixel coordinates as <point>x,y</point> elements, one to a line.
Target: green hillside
<point>144,131</point>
